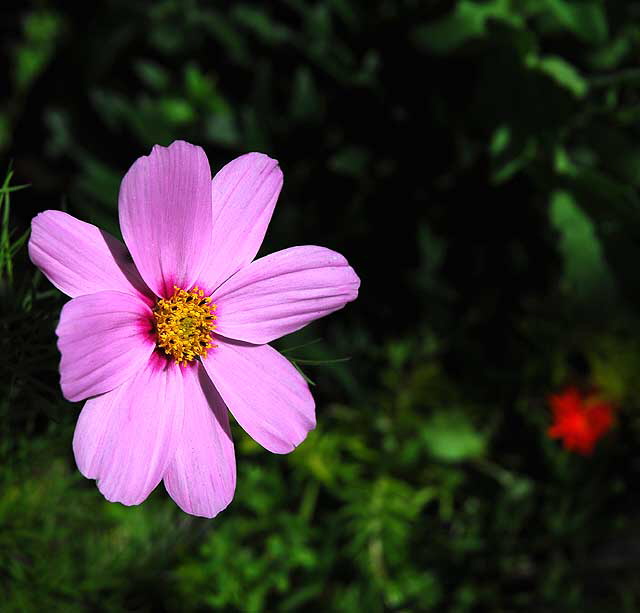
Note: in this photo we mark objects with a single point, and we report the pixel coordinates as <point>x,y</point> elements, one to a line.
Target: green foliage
<point>585,269</point>
<point>8,245</point>
<point>451,437</point>
<point>41,30</point>
<point>562,72</point>
<point>477,162</point>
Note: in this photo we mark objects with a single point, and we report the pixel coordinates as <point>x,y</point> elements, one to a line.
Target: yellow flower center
<point>183,324</point>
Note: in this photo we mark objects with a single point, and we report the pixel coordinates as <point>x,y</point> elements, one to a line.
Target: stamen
<point>183,324</point>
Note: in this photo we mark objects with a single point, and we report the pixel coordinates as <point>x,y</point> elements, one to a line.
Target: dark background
<point>477,162</point>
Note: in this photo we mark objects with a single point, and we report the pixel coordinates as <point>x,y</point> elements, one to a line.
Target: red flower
<point>579,420</point>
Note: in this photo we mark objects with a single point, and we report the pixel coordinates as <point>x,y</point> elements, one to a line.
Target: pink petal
<point>165,215</point>
<point>202,477</point>
<point>79,258</point>
<point>104,339</point>
<point>245,192</point>
<point>127,438</point>
<point>283,292</point>
<point>265,393</point>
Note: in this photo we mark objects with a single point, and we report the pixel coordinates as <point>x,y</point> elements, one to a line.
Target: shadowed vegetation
<point>477,162</point>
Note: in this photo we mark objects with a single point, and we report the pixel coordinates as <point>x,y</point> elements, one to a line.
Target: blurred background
<point>478,163</point>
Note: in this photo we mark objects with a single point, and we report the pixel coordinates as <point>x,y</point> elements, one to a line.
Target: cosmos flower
<point>579,420</point>
<point>164,335</point>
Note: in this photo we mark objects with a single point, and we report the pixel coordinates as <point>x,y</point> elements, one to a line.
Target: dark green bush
<point>478,163</point>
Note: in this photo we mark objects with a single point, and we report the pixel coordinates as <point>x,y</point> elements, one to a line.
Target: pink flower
<point>162,341</point>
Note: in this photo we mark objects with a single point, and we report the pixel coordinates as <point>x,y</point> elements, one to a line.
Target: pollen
<point>184,323</point>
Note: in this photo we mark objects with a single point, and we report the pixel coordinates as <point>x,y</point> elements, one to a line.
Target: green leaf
<point>468,20</point>
<point>500,140</point>
<point>177,110</point>
<point>611,55</point>
<point>5,130</point>
<point>586,274</point>
<point>451,436</point>
<point>563,73</point>
<point>42,29</point>
<point>562,162</point>
<point>587,20</point>
<point>515,163</point>
<point>202,89</point>
<point>222,129</point>
<point>305,98</point>
<point>351,160</point>
<point>152,74</point>
<point>257,20</point>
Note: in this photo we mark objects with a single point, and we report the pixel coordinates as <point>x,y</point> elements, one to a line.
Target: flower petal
<point>202,477</point>
<point>245,192</point>
<point>104,339</point>
<point>283,292</point>
<point>165,215</point>
<point>79,258</point>
<point>265,393</point>
<point>127,438</point>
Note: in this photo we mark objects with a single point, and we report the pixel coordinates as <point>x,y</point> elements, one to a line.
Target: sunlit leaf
<point>585,271</point>
<point>451,436</point>
<point>562,72</point>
